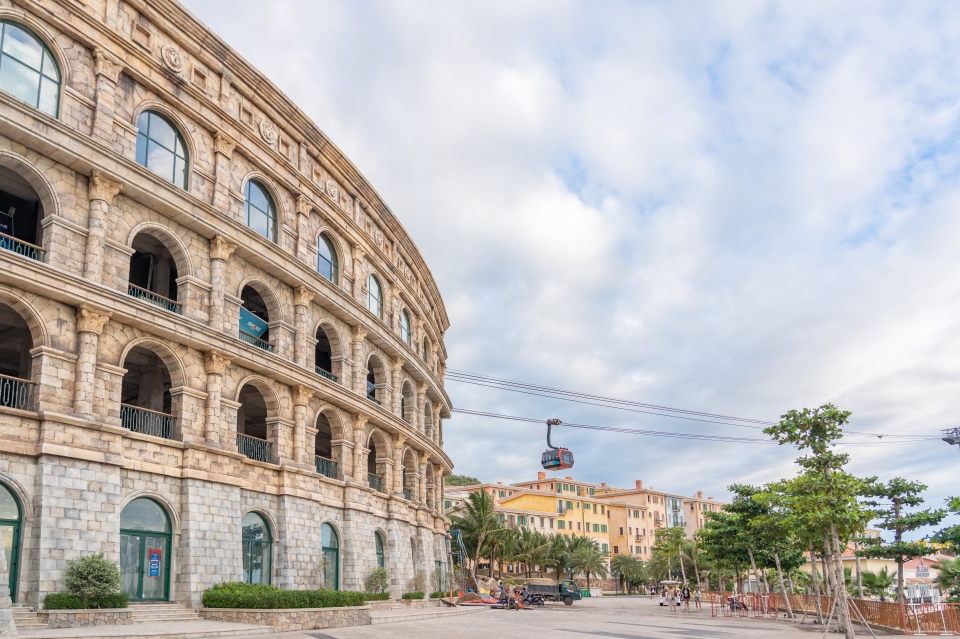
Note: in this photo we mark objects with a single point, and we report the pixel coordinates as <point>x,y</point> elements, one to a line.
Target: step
<point>418,614</point>
<point>176,630</point>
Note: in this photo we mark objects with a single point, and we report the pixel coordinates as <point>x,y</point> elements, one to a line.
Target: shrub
<point>69,601</point>
<point>378,580</point>
<point>92,577</point>
<point>439,594</point>
<point>412,595</point>
<point>257,596</point>
<point>376,596</point>
<point>419,581</point>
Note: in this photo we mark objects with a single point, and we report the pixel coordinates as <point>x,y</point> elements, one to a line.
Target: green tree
<point>668,545</point>
<point>949,578</point>
<point>589,560</point>
<point>478,524</point>
<point>721,540</point>
<point>877,584</point>
<point>628,569</point>
<point>889,503</point>
<point>92,577</point>
<point>460,480</point>
<point>951,534</point>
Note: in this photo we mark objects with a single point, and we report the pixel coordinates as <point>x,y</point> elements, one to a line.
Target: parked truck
<point>566,590</point>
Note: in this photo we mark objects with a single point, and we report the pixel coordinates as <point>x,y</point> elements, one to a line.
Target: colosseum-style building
<point>221,355</point>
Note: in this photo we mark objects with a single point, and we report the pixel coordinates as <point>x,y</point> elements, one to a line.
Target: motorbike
<point>535,599</point>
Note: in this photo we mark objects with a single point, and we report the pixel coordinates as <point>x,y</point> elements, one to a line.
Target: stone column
<point>101,192</point>
<point>398,469</point>
<point>223,146</point>
<point>301,399</point>
<point>220,252</point>
<point>90,323</point>
<point>215,365</point>
<point>358,255</point>
<point>359,449</point>
<point>437,407</point>
<point>422,476</point>
<point>396,366</point>
<point>395,305</point>
<point>421,399</point>
<point>359,370</point>
<point>107,70</point>
<point>302,297</point>
<point>438,489</point>
<point>305,246</point>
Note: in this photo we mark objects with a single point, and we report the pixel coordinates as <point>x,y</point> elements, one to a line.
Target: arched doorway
<point>145,550</point>
<point>331,557</point>
<point>10,525</point>
<point>21,213</point>
<point>254,319</point>
<point>323,449</point>
<point>252,425</point>
<point>257,550</point>
<point>153,274</point>
<point>16,389</point>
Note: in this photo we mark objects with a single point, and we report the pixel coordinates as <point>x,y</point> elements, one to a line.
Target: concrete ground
<point>607,617</point>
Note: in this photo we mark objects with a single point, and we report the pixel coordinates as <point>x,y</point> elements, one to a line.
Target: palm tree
<point>949,578</point>
<point>877,584</point>
<point>628,568</point>
<point>588,559</point>
<point>559,554</point>
<point>478,524</point>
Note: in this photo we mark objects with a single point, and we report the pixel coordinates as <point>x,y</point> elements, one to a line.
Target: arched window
<point>10,523</point>
<point>27,69</point>
<point>426,349</point>
<point>161,149</point>
<point>374,296</point>
<point>145,550</point>
<point>380,555</point>
<point>260,211</point>
<point>327,262</point>
<point>405,334</point>
<point>331,557</point>
<point>257,549</point>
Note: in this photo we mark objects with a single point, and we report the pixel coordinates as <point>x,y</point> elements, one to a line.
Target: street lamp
<point>952,436</point>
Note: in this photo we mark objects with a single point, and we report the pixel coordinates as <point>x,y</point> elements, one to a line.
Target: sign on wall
<point>153,562</point>
<point>251,324</point>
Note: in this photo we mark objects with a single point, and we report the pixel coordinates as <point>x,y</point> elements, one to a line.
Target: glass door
<point>144,566</point>
<point>10,534</point>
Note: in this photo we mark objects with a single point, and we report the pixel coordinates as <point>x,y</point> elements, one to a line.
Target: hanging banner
<point>153,562</point>
<point>251,324</point>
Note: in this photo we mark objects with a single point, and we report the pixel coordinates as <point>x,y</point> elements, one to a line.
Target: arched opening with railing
<point>376,379</point>
<point>252,429</point>
<point>153,274</point>
<point>323,455</point>
<point>428,429</point>
<point>21,214</point>
<point>255,319</point>
<point>16,341</point>
<point>407,401</point>
<point>377,456</point>
<point>327,353</point>
<point>146,405</point>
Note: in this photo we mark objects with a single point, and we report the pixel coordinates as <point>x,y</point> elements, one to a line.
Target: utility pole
<point>952,436</point>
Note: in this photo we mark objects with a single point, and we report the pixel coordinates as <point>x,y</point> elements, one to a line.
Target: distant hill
<point>460,480</point>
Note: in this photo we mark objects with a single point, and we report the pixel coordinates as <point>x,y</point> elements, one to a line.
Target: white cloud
<point>739,207</point>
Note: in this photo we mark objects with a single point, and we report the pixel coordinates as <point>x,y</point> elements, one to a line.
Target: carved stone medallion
<point>267,132</point>
<point>172,58</point>
<point>332,190</point>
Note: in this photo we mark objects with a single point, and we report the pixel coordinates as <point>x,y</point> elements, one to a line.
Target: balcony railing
<point>375,482</point>
<point>326,467</point>
<point>16,393</point>
<point>375,400</point>
<point>12,244</point>
<point>152,298</point>
<point>407,494</point>
<point>259,343</point>
<point>323,373</point>
<point>147,422</point>
<point>254,448</point>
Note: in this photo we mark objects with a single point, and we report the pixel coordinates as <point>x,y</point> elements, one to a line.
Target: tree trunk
<point>683,572</point>
<point>901,595</point>
<point>753,564</point>
<point>783,588</point>
<point>816,584</point>
<point>856,547</point>
<point>842,596</point>
<point>695,569</point>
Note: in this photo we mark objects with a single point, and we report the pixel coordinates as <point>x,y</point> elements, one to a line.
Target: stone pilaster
<point>220,252</point>
<point>396,367</point>
<point>90,323</point>
<point>214,365</point>
<point>107,70</point>
<point>223,146</point>
<point>305,247</point>
<point>359,370</point>
<point>359,449</point>
<point>358,284</point>
<point>301,399</point>
<point>398,470</point>
<point>302,297</point>
<point>418,408</point>
<point>422,476</point>
<point>101,193</point>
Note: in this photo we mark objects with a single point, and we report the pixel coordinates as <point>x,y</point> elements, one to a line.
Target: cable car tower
<point>555,458</point>
<point>952,437</point>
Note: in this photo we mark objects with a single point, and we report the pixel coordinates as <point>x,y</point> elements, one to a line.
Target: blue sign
<point>6,222</point>
<point>153,562</point>
<point>251,324</point>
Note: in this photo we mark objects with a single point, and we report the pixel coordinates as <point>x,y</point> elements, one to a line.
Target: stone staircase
<point>161,612</point>
<point>26,618</point>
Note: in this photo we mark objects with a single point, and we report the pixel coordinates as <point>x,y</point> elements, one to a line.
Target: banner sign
<point>251,324</point>
<point>6,221</point>
<point>153,562</point>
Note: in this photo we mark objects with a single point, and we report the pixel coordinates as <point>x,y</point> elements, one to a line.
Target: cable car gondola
<point>555,458</point>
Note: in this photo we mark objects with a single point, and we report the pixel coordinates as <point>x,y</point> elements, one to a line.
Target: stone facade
<point>71,457</point>
<point>294,618</point>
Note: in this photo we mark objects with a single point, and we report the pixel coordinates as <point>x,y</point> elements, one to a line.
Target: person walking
<point>685,593</point>
<point>697,595</point>
<point>672,599</point>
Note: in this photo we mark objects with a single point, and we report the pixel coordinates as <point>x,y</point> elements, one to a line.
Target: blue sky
<point>734,207</point>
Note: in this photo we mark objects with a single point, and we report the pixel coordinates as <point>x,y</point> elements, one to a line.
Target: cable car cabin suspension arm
<point>555,458</point>
<point>550,424</point>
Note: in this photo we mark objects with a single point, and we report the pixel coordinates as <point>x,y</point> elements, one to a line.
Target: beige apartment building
<point>217,342</point>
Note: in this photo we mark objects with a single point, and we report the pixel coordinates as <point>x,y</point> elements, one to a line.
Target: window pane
<point>130,564</point>
<point>8,505</point>
<point>258,197</point>
<point>19,81</point>
<point>324,249</point>
<point>254,528</point>
<point>160,160</point>
<point>258,222</point>
<point>329,536</point>
<point>50,67</point>
<point>49,96</point>
<point>180,172</point>
<point>144,514</point>
<point>324,267</point>
<point>22,46</point>
<point>162,132</point>
<point>142,150</point>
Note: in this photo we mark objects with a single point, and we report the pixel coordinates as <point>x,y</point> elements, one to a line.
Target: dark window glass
<point>27,69</point>
<point>374,296</point>
<point>380,554</point>
<point>144,514</point>
<point>257,550</point>
<point>161,149</point>
<point>405,327</point>
<point>260,211</point>
<point>327,263</point>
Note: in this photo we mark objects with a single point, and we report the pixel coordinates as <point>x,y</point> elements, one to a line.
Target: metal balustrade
<point>16,393</point>
<point>150,297</point>
<point>323,373</point>
<point>259,343</point>
<point>326,467</point>
<point>12,244</point>
<point>375,482</point>
<point>407,494</point>
<point>375,400</point>
<point>147,422</point>
<point>254,448</point>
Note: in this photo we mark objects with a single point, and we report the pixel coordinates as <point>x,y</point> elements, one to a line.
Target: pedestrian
<point>696,598</point>
<point>672,599</point>
<point>685,593</point>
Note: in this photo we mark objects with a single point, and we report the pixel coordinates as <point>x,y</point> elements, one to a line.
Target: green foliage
<point>412,595</point>
<point>460,480</point>
<point>588,559</point>
<point>261,597</point>
<point>92,577</point>
<point>375,596</point>
<point>439,594</point>
<point>69,601</point>
<point>629,570</point>
<point>949,578</point>
<point>951,534</point>
<point>479,526</point>
<point>877,584</point>
<point>378,580</point>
